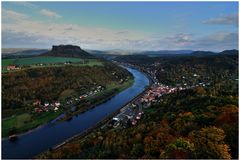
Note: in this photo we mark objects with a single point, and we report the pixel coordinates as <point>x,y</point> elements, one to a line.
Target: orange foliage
<point>228,116</point>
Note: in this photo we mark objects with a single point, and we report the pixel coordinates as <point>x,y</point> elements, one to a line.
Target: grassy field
<point>38,60</point>
<point>92,62</point>
<point>47,60</point>
<point>7,62</point>
<point>26,121</point>
<point>66,93</point>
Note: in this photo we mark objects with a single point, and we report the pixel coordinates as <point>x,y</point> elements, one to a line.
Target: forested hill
<point>180,69</point>
<point>139,58</point>
<point>68,51</point>
<point>21,88</point>
<point>191,124</point>
<point>200,122</point>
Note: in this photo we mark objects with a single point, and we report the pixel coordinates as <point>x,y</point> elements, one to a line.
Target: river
<point>31,144</point>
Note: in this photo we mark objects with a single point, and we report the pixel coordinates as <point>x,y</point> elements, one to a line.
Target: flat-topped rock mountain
<point>68,51</point>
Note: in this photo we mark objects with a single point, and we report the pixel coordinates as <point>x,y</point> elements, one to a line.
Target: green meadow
<point>39,60</point>
<point>47,61</point>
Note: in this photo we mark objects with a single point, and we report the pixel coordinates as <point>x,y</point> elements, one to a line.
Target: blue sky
<point>121,25</point>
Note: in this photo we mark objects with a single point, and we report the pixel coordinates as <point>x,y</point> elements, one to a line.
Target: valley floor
<point>21,123</point>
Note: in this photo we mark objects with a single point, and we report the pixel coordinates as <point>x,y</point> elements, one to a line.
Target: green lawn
<point>26,121</point>
<point>92,62</point>
<point>7,62</point>
<point>39,60</point>
<point>111,87</point>
<point>47,60</point>
<point>122,86</point>
<point>67,93</point>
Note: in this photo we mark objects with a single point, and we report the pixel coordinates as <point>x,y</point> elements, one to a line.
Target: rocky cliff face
<point>68,51</point>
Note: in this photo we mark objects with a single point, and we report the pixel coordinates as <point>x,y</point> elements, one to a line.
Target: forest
<point>196,123</point>
<point>20,89</point>
<point>191,124</point>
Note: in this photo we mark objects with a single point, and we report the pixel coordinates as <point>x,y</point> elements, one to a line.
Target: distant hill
<point>165,52</point>
<point>230,52</point>
<point>21,52</point>
<point>113,52</point>
<point>205,53</point>
<point>134,52</point>
<point>158,53</point>
<point>68,51</point>
<point>227,58</point>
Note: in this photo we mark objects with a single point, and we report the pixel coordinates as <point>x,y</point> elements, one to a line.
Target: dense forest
<point>191,124</point>
<point>196,123</point>
<point>20,89</point>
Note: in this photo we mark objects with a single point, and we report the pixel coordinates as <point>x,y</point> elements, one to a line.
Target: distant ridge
<point>68,51</point>
<point>166,52</point>
<point>234,51</point>
<point>203,53</point>
<point>135,52</point>
<point>21,52</point>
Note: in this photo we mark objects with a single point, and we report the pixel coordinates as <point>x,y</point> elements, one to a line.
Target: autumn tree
<point>180,148</point>
<point>209,143</point>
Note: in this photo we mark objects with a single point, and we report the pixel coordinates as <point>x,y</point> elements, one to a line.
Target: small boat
<point>13,137</point>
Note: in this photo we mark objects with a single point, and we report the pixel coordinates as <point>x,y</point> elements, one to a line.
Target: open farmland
<point>39,60</point>
<point>7,62</point>
<point>46,61</point>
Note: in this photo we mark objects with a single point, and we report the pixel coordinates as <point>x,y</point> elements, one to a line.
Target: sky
<point>132,26</point>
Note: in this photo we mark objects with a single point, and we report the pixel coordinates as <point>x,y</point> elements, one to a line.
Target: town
<point>131,113</point>
<point>46,106</point>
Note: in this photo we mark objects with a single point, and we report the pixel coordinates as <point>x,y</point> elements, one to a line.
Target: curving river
<point>39,140</point>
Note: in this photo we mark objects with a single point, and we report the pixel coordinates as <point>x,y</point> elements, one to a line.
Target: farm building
<point>12,67</point>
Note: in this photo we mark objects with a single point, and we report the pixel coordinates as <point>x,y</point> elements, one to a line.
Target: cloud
<point>214,42</point>
<point>14,39</point>
<point>218,41</point>
<point>224,20</point>
<point>21,31</point>
<point>26,4</point>
<point>49,13</point>
<point>180,39</point>
<point>125,32</point>
<point>48,33</point>
<point>10,14</point>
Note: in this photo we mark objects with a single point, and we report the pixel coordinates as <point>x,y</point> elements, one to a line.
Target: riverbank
<point>98,124</point>
<point>34,121</point>
<point>95,101</point>
<point>51,135</point>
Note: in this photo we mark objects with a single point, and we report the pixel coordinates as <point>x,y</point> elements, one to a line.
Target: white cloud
<point>20,31</point>
<point>224,20</point>
<point>26,4</point>
<point>218,41</point>
<point>12,15</point>
<point>214,42</point>
<point>180,39</point>
<point>49,13</point>
<point>47,34</point>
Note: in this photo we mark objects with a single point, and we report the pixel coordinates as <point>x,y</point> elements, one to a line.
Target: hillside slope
<point>200,122</point>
